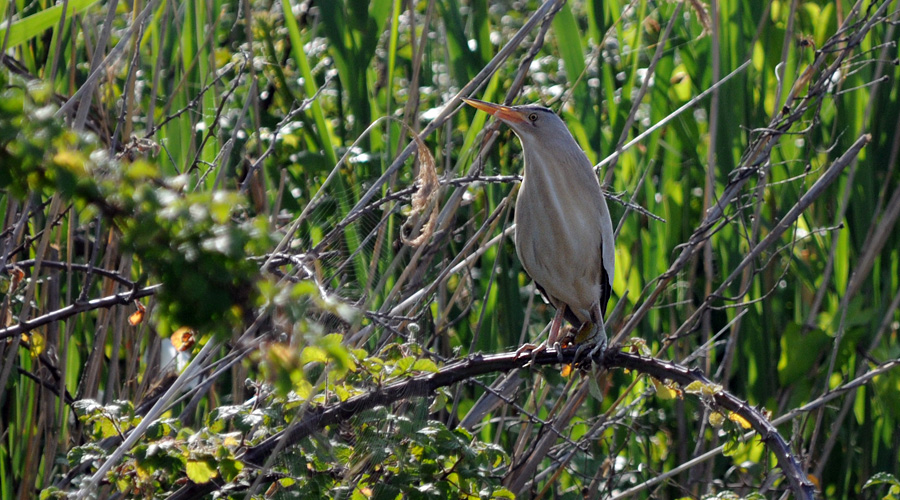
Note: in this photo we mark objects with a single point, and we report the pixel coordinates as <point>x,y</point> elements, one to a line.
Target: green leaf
<point>425,365</point>
<point>34,25</point>
<point>313,354</point>
<point>882,478</point>
<point>731,447</point>
<point>594,387</point>
<point>405,364</point>
<point>230,468</point>
<point>694,387</point>
<point>201,471</point>
<point>501,493</point>
<point>716,420</point>
<point>337,351</point>
<point>698,387</point>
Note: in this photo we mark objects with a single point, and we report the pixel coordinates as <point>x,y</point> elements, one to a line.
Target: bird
<point>564,234</point>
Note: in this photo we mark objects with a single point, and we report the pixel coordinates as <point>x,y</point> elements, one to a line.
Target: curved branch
<point>452,373</point>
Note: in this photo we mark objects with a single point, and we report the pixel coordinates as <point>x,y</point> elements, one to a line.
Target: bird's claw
<point>530,350</point>
<point>599,348</point>
<point>558,350</point>
<point>578,352</point>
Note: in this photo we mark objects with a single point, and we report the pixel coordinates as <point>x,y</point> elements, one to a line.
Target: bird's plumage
<point>564,234</point>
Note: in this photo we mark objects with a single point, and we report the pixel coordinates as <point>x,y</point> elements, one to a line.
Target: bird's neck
<point>544,168</point>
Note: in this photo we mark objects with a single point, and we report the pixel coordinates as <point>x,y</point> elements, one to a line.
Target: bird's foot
<point>589,336</point>
<point>599,348</point>
<point>530,350</point>
<point>579,352</point>
<point>595,332</point>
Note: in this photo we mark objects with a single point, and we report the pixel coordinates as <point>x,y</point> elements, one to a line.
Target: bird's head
<point>536,126</point>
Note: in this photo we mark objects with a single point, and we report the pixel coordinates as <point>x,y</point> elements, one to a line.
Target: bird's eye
<point>532,117</point>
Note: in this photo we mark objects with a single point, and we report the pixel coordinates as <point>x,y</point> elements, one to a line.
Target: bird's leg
<point>553,338</point>
<point>598,323</point>
<point>555,325</point>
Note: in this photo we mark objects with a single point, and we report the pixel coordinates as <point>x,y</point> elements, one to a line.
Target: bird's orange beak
<point>503,113</point>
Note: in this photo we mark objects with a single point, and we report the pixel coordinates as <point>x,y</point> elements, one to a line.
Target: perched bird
<point>564,235</point>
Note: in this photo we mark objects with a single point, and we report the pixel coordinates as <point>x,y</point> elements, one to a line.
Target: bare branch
<point>78,307</point>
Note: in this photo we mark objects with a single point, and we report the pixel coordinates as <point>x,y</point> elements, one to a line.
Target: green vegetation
<point>242,181</point>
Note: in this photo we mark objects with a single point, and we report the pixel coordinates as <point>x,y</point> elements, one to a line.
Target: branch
<point>424,385</point>
<point>79,307</point>
<point>757,153</point>
<point>787,417</point>
<point>784,223</point>
<point>65,266</point>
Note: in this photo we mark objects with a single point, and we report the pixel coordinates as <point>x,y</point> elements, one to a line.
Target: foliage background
<point>232,151</point>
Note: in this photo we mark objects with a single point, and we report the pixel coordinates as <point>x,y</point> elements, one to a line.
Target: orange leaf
<point>137,316</point>
<point>184,338</point>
